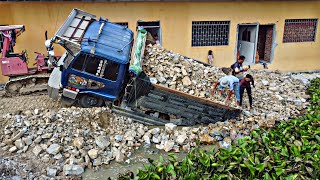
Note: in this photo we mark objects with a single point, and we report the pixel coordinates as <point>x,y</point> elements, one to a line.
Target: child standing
<point>210,57</point>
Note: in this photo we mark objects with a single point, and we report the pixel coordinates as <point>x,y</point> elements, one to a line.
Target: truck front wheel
<point>88,101</point>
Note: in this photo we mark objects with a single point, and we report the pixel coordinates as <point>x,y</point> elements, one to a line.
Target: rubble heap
<point>276,95</point>
<point>72,139</point>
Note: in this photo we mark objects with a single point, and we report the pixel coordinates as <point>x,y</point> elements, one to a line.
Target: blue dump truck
<point>102,66</point>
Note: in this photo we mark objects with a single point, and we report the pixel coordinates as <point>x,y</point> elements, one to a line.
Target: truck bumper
<point>69,93</point>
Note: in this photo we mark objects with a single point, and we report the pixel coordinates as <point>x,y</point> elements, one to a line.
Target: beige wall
<point>176,20</point>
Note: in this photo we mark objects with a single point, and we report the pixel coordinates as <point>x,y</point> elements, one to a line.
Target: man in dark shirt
<point>245,84</point>
<point>237,69</point>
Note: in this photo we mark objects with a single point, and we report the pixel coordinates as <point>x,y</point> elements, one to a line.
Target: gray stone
<point>170,128</point>
<point>181,138</point>
<point>20,134</point>
<point>118,155</point>
<point>155,131</point>
<point>13,149</point>
<point>78,142</point>
<point>93,153</point>
<point>219,138</point>
<point>27,123</point>
<point>160,146</point>
<point>146,138</point>
<point>58,156</point>
<point>54,149</point>
<point>118,138</point>
<point>70,169</point>
<point>37,150</point>
<point>155,140</point>
<point>168,145</point>
<point>27,113</point>
<point>186,81</point>
<point>18,118</point>
<point>264,82</point>
<point>184,72</point>
<point>47,136</point>
<point>38,140</point>
<point>273,88</point>
<point>27,140</point>
<point>102,142</point>
<point>140,131</point>
<point>224,145</point>
<point>298,102</point>
<point>97,162</point>
<point>51,172</point>
<point>19,144</point>
<point>161,79</point>
<point>36,111</point>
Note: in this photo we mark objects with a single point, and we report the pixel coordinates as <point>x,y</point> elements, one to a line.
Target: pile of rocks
<point>277,96</point>
<point>72,139</point>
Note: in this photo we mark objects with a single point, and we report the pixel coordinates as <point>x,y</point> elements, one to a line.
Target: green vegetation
<point>291,150</point>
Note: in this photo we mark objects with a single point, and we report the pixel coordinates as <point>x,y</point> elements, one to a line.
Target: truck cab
<point>95,68</point>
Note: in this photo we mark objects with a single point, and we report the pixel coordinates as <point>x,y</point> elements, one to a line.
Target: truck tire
<point>87,101</point>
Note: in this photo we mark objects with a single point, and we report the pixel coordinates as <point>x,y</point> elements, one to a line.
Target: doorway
<point>153,27</point>
<point>265,40</point>
<point>255,42</point>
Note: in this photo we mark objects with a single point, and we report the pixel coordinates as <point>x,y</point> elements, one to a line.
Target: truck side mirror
<point>61,68</point>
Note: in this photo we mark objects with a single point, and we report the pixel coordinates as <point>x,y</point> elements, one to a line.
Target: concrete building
<point>282,34</point>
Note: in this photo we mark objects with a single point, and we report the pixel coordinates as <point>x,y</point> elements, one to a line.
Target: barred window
<point>122,23</point>
<point>210,33</point>
<point>300,30</point>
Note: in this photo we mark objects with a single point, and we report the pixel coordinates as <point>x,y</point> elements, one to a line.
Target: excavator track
<point>26,84</point>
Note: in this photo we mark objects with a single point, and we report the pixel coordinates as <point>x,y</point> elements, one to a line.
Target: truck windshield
<point>96,66</point>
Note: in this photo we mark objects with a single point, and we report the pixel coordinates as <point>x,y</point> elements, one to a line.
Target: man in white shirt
<point>232,82</point>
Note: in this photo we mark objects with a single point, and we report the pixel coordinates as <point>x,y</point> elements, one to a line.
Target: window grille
<point>210,33</point>
<point>300,30</point>
<point>123,23</point>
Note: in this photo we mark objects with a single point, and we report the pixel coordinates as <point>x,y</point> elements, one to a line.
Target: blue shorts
<point>236,88</point>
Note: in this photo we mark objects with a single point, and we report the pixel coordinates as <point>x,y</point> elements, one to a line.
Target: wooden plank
<point>195,98</point>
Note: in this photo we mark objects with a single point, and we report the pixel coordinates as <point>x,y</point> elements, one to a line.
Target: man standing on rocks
<point>245,83</point>
<point>232,82</point>
<point>238,69</point>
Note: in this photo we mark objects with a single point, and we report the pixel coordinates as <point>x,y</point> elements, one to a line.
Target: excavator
<point>103,66</point>
<point>22,79</point>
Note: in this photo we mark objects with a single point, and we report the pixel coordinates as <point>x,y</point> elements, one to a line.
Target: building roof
<point>113,43</point>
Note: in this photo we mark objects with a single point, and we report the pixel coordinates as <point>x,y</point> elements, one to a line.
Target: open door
<point>247,40</point>
<point>153,28</point>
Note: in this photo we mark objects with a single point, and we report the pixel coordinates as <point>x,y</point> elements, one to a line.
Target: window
<point>92,65</point>
<point>125,24</point>
<point>299,30</point>
<point>96,66</point>
<point>210,33</point>
<point>78,64</point>
<point>111,70</point>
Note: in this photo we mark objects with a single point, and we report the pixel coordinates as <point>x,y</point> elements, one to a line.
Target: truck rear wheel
<point>88,101</point>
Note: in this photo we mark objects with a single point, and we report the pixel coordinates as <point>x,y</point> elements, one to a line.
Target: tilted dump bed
<point>70,34</point>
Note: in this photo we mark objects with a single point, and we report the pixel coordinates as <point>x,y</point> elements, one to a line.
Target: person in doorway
<point>156,38</point>
<point>245,84</point>
<point>232,82</point>
<point>210,57</point>
<point>238,68</point>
